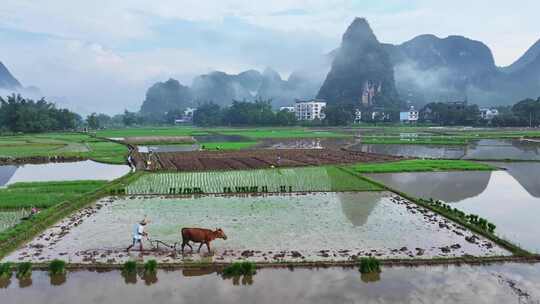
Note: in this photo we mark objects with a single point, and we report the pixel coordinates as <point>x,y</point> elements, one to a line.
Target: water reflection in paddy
<point>495,149</point>
<point>509,283</point>
<point>310,227</point>
<point>508,198</point>
<point>81,170</point>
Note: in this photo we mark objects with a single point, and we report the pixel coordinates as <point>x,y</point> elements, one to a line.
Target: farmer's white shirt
<point>140,231</point>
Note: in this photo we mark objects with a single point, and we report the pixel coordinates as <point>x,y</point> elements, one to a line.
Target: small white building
<point>357,116</point>
<point>288,109</point>
<point>410,116</point>
<point>309,110</point>
<point>488,114</point>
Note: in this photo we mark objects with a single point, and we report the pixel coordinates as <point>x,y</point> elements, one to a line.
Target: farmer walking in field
<point>138,233</point>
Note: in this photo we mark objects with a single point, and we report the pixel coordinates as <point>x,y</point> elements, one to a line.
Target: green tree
<point>92,121</point>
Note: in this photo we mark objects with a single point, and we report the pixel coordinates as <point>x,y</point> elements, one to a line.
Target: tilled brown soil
<point>252,159</point>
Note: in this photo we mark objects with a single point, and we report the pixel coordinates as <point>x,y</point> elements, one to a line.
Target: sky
<point>102,55</point>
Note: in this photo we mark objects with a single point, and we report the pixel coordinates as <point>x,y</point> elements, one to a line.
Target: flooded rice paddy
<point>485,149</point>
<point>308,227</point>
<point>510,199</point>
<point>508,283</point>
<point>81,170</point>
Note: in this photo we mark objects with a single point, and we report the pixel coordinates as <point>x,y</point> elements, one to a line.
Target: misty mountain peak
<point>272,74</point>
<point>7,81</point>
<point>361,72</point>
<point>358,32</point>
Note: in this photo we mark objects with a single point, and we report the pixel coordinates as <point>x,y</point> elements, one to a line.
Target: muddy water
<point>421,151</point>
<point>487,149</point>
<point>305,143</point>
<point>507,198</point>
<point>509,283</point>
<point>168,148</point>
<point>82,170</point>
<point>317,227</point>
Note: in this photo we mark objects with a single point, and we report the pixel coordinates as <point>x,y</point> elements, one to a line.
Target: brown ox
<point>202,236</point>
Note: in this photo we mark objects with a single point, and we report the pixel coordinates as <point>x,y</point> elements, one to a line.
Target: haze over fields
<point>102,56</point>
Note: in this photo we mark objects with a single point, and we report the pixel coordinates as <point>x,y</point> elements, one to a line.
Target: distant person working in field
<point>138,233</point>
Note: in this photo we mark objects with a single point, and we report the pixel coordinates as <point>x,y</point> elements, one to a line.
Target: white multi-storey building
<point>309,110</point>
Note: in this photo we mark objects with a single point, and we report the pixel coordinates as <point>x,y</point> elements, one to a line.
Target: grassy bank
<point>227,145</point>
<point>303,179</point>
<point>421,140</point>
<point>13,237</point>
<point>44,194</point>
<point>75,145</point>
<point>252,133</point>
<point>420,165</point>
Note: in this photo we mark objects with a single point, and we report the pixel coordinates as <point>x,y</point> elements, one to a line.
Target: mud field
<point>271,228</point>
<point>252,159</point>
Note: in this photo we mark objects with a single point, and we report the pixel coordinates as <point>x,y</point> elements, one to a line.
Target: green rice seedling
<point>240,268</point>
<point>130,267</point>
<point>369,265</point>
<point>5,270</point>
<point>150,267</point>
<point>24,270</point>
<point>57,267</point>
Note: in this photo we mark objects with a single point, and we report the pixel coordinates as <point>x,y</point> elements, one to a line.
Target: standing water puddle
<point>82,170</point>
<point>509,283</point>
<point>495,149</point>
<point>510,199</point>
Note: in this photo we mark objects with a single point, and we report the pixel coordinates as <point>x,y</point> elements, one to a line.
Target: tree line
<point>18,114</point>
<point>242,113</point>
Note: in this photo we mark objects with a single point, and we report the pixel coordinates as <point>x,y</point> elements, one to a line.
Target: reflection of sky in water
<point>498,196</point>
<point>6,172</point>
<point>307,223</point>
<point>481,149</point>
<point>450,284</point>
<point>83,170</point>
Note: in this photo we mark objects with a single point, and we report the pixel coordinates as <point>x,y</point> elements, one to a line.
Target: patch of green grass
<point>57,267</point>
<point>415,140</point>
<point>263,133</point>
<point>62,144</point>
<point>6,270</point>
<point>129,267</point>
<point>240,268</point>
<point>263,180</point>
<point>44,194</point>
<point>24,270</point>
<point>418,165</point>
<point>342,181</point>
<point>209,146</point>
<point>152,131</point>
<point>150,267</point>
<point>10,218</point>
<point>369,265</point>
